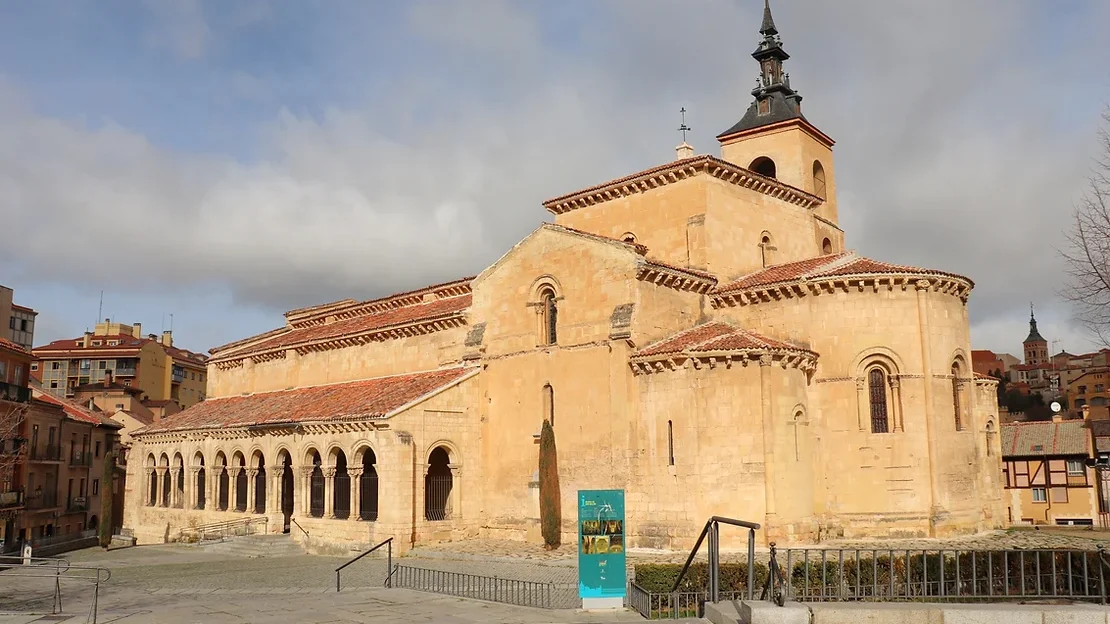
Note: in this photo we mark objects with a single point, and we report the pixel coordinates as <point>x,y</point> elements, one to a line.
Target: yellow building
<point>1046,475</point>
<point>698,335</point>
<point>120,352</point>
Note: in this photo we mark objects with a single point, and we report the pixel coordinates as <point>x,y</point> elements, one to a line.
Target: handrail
<point>388,566</point>
<point>102,575</point>
<point>294,521</point>
<point>713,531</point>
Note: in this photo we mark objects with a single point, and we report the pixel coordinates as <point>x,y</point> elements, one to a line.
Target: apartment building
<point>15,403</point>
<point>1046,475</point>
<point>150,364</point>
<point>20,319</point>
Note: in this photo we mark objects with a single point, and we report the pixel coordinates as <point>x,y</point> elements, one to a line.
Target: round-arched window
<point>763,166</point>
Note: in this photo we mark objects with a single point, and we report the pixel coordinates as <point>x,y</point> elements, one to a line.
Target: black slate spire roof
<point>1034,335</point>
<point>775,100</point>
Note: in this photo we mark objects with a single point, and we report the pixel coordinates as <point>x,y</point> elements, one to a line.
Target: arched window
<point>316,487</point>
<point>549,404</point>
<point>628,237</point>
<point>818,179</point>
<point>990,438</point>
<point>763,166</point>
<point>437,486</point>
<point>368,484</point>
<point>766,249</point>
<point>549,310</point>
<point>826,247</point>
<point>956,395</point>
<point>876,387</point>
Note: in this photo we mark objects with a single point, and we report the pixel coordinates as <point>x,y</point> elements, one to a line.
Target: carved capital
<point>355,473</point>
<point>252,473</point>
<point>235,470</point>
<point>861,384</point>
<point>329,472</point>
<point>894,382</point>
<point>306,471</point>
<point>276,470</point>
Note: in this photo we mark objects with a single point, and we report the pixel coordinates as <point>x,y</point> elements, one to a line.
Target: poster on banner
<point>601,545</point>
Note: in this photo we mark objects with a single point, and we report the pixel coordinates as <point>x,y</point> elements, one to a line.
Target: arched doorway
<point>259,502</point>
<point>201,482</point>
<point>316,488</point>
<point>368,487</point>
<point>341,484</point>
<point>286,491</point>
<point>240,484</point>
<point>94,523</point>
<point>437,485</point>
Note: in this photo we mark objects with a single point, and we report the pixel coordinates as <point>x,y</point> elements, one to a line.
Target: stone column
<point>212,482</point>
<point>356,491</point>
<point>252,474</point>
<point>329,492</point>
<point>454,506</point>
<point>305,493</point>
<point>896,404</point>
<point>160,486</point>
<point>862,403</point>
<point>233,488</point>
<point>191,487</point>
<point>923,287</point>
<point>273,491</point>
<point>765,362</point>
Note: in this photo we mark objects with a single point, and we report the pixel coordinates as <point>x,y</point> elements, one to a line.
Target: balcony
<point>124,371</point>
<point>178,375</point>
<point>11,500</point>
<point>12,392</point>
<point>42,500</point>
<point>46,453</point>
<point>80,459</point>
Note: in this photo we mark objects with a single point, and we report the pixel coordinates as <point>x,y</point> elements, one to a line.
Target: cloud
<point>952,153</point>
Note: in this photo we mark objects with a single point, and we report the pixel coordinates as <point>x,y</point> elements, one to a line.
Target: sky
<point>217,163</point>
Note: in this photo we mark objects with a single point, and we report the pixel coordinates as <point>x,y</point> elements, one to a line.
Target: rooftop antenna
<point>683,128</point>
<point>171,321</point>
<point>100,310</point>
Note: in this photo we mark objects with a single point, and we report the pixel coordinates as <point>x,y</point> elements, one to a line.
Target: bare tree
<point>11,420</point>
<point>1088,253</point>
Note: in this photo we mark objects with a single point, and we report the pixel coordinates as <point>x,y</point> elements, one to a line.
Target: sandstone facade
<point>697,333</point>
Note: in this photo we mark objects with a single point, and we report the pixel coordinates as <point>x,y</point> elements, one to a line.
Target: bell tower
<point>773,138</point>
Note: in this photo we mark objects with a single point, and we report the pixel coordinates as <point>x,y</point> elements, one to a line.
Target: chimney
<point>167,338</point>
<point>107,378</point>
<point>137,330</point>
<point>684,151</point>
<point>88,337</point>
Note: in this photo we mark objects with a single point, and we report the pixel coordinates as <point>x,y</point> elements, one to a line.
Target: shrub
<point>660,577</point>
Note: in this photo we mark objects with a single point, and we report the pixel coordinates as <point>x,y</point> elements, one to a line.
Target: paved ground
<point>179,584</point>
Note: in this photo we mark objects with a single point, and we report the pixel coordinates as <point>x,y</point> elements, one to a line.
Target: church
<point>697,333</point>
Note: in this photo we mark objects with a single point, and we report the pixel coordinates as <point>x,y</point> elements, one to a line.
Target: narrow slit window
<point>670,443</point>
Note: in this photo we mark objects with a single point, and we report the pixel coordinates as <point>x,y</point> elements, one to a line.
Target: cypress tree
<point>106,496</point>
<point>550,503</point>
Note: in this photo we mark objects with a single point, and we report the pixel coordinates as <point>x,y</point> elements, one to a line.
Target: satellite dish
<point>1055,407</point>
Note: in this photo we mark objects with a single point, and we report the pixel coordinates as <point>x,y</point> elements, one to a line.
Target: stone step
<point>258,546</point>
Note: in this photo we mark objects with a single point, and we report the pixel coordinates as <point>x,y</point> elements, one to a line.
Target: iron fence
<point>341,500</point>
<point>830,575</point>
<point>368,496</point>
<point>673,605</point>
<point>489,588</point>
<point>437,496</point>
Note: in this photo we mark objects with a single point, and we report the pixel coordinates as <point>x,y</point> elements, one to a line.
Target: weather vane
<point>683,128</point>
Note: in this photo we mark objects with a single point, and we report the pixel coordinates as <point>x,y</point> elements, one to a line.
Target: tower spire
<point>768,29</point>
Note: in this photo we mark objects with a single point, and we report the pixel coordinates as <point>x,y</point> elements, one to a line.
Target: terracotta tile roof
<point>350,401</point>
<point>143,418</point>
<point>74,411</point>
<point>983,355</point>
<point>832,265</point>
<point>128,346</point>
<point>695,272</point>
<point>713,336</point>
<point>8,345</point>
<point>99,386</point>
<point>359,325</point>
<point>1068,437</point>
<point>157,402</point>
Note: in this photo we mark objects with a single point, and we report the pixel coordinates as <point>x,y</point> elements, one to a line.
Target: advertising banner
<point>601,572</point>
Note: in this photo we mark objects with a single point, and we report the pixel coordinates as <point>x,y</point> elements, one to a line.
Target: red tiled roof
<point>983,355</point>
<point>350,401</point>
<point>128,346</point>
<point>361,324</point>
<point>99,386</point>
<point>1044,438</point>
<point>713,336</point>
<point>695,272</point>
<point>72,410</point>
<point>833,265</point>
<point>8,345</point>
<point>157,402</point>
<point>143,418</point>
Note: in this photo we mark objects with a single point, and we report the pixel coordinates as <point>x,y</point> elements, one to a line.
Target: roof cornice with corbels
<point>796,289</point>
<point>675,172</point>
<point>395,332</point>
<point>804,360</point>
<point>676,278</point>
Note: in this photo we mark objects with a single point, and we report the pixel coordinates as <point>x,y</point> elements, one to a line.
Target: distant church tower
<point>774,138</point>
<point>1036,347</point>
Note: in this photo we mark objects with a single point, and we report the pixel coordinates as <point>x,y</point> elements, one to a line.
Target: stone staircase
<point>257,546</point>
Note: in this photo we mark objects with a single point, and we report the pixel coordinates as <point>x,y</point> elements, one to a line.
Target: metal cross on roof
<point>683,128</point>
